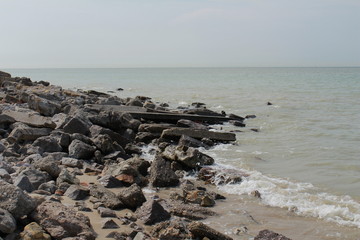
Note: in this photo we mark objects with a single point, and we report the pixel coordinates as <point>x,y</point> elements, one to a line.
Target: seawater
<point>306,154</point>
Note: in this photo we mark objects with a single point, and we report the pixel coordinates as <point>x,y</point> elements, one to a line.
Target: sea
<point>302,152</point>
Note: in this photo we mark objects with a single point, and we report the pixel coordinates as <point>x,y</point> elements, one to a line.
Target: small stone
<point>106,212</point>
<point>76,192</point>
<point>109,224</point>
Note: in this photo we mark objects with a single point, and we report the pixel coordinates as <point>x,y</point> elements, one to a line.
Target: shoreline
<point>58,117</point>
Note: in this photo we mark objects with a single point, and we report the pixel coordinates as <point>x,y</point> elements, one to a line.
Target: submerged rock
<point>270,235</point>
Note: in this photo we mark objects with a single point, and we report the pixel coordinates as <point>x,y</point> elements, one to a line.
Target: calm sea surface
<point>306,155</point>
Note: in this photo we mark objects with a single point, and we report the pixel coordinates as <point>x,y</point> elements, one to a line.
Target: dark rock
<point>81,150</point>
<point>190,211</point>
<point>7,222</point>
<point>36,177</point>
<point>76,192</point>
<point>198,134</point>
<point>4,175</point>
<point>15,201</point>
<point>115,120</point>
<point>132,197</point>
<point>152,212</point>
<point>270,235</point>
<point>125,172</point>
<point>43,106</point>
<point>109,224</point>
<point>133,149</point>
<point>24,183</point>
<point>161,174</point>
<point>48,144</point>
<point>221,176</point>
<point>255,130</point>
<point>77,125</point>
<point>146,137</point>
<point>106,145</point>
<point>139,164</point>
<point>191,142</point>
<point>62,222</point>
<point>34,231</point>
<point>239,118</point>
<point>200,230</point>
<point>190,124</point>
<point>5,74</point>
<point>71,162</point>
<point>108,198</point>
<point>96,130</point>
<point>237,123</point>
<point>62,138</point>
<point>269,103</point>
<point>250,116</point>
<point>49,187</point>
<point>109,181</point>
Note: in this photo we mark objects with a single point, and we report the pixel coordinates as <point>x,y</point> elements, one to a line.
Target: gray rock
<point>190,211</point>
<point>24,183</point>
<point>109,181</point>
<point>48,165</point>
<point>81,150</point>
<point>66,177</point>
<point>193,158</point>
<point>25,133</point>
<point>186,141</point>
<point>48,144</point>
<point>200,230</point>
<point>7,222</point>
<point>5,175</point>
<point>107,197</point>
<point>15,201</point>
<point>77,125</point>
<point>109,224</point>
<point>106,212</point>
<point>161,174</point>
<point>152,212</point>
<point>106,145</point>
<point>71,162</point>
<point>191,124</point>
<point>63,222</point>
<point>30,118</point>
<point>96,130</point>
<point>36,177</point>
<point>2,147</point>
<point>198,134</point>
<point>132,197</point>
<point>115,120</point>
<point>49,187</point>
<point>76,192</point>
<point>43,106</point>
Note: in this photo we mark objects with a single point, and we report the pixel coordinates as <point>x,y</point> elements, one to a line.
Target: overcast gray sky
<point>179,33</point>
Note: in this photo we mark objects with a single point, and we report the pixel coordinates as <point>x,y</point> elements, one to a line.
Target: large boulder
<point>36,177</point>
<point>63,222</point>
<point>106,145</point>
<point>193,158</point>
<point>152,212</point>
<point>49,165</point>
<point>76,192</point>
<point>77,125</point>
<point>7,222</point>
<point>23,132</point>
<point>81,150</point>
<point>15,201</point>
<point>161,174</point>
<point>48,144</point>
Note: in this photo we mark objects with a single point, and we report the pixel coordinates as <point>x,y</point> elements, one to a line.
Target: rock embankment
<point>52,140</point>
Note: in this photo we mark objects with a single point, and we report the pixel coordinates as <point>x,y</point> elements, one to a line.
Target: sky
<point>179,33</point>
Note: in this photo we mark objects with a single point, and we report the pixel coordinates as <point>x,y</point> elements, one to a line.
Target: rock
<point>221,176</point>
<point>193,158</point>
<point>169,230</point>
<point>5,74</point>
<point>43,106</point>
<point>109,181</point>
<point>48,144</point>
<point>24,183</point>
<point>152,212</point>
<point>66,177</point>
<point>186,141</point>
<point>270,235</point>
<point>125,172</point>
<point>7,222</point>
<point>200,230</point>
<point>30,118</point>
<point>190,211</point>
<point>146,137</point>
<point>139,164</point>
<point>237,123</point>
<point>106,212</point>
<point>269,103</point>
<point>115,121</point>
<point>81,150</point>
<point>25,133</point>
<point>36,177</point>
<point>48,186</point>
<point>190,124</point>
<point>108,198</point>
<point>161,174</point>
<point>198,134</point>
<point>15,201</point>
<point>154,128</point>
<point>132,197</point>
<point>5,175</point>
<point>109,224</point>
<point>250,116</point>
<point>34,231</point>
<point>48,165</point>
<point>76,192</point>
<point>77,125</point>
<point>106,145</point>
<point>71,162</point>
<point>96,130</point>
<point>62,222</point>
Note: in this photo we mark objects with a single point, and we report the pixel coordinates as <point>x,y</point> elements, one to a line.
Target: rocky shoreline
<point>71,166</point>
